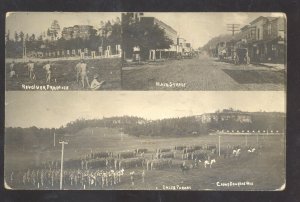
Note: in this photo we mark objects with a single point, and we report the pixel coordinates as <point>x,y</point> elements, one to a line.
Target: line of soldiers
<point>50,179</point>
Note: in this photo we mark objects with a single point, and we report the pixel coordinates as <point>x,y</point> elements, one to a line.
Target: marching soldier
<point>78,70</point>
<point>132,178</point>
<point>143,176</point>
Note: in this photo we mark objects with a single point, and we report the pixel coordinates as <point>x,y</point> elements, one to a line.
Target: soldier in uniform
<point>47,67</point>
<point>30,67</point>
<point>83,74</point>
<point>12,72</point>
<point>78,70</point>
<point>143,176</point>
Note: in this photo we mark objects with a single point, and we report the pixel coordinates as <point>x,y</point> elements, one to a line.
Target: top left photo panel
<point>58,51</point>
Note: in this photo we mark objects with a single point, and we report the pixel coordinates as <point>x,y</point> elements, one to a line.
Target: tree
<point>7,36</point>
<point>27,37</point>
<point>40,38</point>
<point>16,36</point>
<point>21,36</point>
<point>54,30</point>
<point>143,35</point>
<point>32,37</point>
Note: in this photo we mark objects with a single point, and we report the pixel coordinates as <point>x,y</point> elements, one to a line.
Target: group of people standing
<point>80,68</point>
<point>72,178</point>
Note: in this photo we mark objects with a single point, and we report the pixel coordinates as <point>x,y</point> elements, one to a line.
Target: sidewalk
<point>275,66</point>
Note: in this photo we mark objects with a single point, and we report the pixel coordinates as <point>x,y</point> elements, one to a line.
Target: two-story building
<point>77,31</point>
<point>265,39</point>
<point>275,40</point>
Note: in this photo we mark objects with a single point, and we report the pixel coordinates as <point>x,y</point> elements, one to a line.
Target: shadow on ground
<point>256,76</point>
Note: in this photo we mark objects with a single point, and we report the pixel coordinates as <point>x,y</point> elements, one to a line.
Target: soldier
<point>47,67</point>
<point>106,178</point>
<point>42,178</point>
<point>78,70</point>
<point>110,175</point>
<point>24,178</point>
<point>33,175</point>
<point>132,178</point>
<point>115,177</point>
<point>83,74</point>
<point>12,72</point>
<point>76,178</point>
<point>52,178</point>
<point>30,67</point>
<point>12,178</point>
<point>95,84</point>
<point>82,164</point>
<point>103,179</point>
<point>143,176</point>
<point>116,163</point>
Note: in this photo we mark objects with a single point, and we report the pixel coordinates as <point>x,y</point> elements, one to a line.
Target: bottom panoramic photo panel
<point>145,141</point>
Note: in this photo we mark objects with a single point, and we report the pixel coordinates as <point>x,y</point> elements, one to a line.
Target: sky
<point>38,22</point>
<point>196,28</point>
<point>199,28</point>
<point>48,109</point>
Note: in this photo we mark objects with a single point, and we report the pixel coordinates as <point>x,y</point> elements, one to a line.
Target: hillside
<point>42,138</point>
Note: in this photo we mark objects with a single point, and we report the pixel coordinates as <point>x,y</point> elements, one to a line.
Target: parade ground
<point>202,73</point>
<point>262,170</point>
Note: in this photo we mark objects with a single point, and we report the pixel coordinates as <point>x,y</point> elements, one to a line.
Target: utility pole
<point>219,145</point>
<point>54,139</point>
<point>257,140</point>
<point>62,162</point>
<point>233,28</point>
<point>24,50</point>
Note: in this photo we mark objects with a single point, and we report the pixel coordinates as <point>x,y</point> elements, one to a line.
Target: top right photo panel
<point>204,51</point>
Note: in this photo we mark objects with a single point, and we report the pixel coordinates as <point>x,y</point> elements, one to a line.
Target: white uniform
<point>83,71</point>
<point>47,67</point>
<point>31,70</point>
<point>78,70</point>
<point>95,85</point>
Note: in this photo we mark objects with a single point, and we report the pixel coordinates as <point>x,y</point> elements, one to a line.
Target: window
<point>281,34</point>
<point>269,29</point>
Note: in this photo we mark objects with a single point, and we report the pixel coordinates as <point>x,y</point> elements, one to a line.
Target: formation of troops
<point>72,178</point>
<point>80,68</point>
<point>105,170</point>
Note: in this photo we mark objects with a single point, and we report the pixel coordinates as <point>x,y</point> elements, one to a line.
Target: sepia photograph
<point>155,140</point>
<point>204,51</point>
<point>59,51</point>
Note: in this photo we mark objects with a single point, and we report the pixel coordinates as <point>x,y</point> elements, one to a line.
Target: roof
<point>257,19</point>
<point>262,18</point>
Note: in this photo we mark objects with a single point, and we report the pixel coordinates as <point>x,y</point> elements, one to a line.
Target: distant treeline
<point>136,126</point>
<point>168,127</point>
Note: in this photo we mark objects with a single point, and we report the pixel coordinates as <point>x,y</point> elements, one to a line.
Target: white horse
<point>207,162</point>
<point>251,150</point>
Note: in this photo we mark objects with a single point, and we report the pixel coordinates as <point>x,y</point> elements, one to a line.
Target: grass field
<point>63,71</point>
<point>265,169</point>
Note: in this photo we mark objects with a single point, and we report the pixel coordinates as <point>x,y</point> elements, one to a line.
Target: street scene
<point>63,51</point>
<point>204,51</point>
<point>213,146</point>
